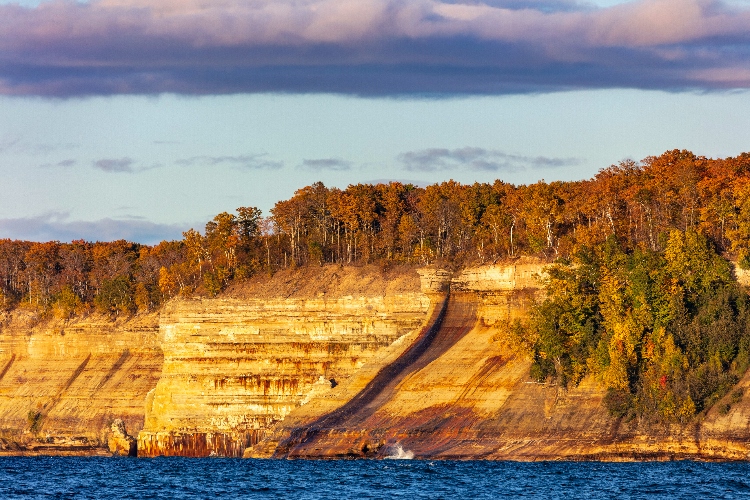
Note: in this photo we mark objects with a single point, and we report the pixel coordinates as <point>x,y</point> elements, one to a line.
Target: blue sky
<point>121,119</point>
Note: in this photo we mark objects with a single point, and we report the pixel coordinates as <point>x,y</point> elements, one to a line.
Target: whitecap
<point>399,453</point>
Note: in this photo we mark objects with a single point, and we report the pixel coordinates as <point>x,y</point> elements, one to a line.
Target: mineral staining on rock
<point>333,371</point>
<point>120,442</point>
<point>233,368</point>
<point>62,384</point>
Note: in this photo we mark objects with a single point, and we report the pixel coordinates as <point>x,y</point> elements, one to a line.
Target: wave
<point>399,453</point>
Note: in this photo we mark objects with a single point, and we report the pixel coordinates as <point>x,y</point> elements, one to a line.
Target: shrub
<point>34,418</point>
<point>618,402</point>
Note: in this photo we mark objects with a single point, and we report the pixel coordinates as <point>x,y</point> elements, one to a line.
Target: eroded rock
<point>120,442</point>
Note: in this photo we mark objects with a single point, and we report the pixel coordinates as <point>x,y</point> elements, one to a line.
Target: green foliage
<point>66,303</point>
<point>618,402</point>
<point>666,332</point>
<point>566,322</point>
<point>34,419</point>
<point>115,296</point>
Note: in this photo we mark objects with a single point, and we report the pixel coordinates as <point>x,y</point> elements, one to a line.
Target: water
<point>100,478</point>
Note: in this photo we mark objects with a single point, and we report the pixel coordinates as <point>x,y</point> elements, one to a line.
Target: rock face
<point>63,383</point>
<point>328,362</point>
<point>120,442</point>
<point>468,395</point>
<point>233,368</point>
<point>440,390</point>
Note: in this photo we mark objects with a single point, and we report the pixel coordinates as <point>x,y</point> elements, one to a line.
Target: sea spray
<point>400,454</point>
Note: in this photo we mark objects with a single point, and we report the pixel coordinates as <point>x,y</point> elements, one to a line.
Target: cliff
<point>63,384</point>
<point>472,398</point>
<point>235,366</point>
<point>327,362</point>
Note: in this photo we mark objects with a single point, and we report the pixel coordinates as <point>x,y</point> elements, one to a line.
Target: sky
<point>141,119</point>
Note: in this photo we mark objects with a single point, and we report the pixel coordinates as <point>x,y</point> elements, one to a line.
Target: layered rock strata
<point>454,365</point>
<point>233,368</point>
<point>476,400</point>
<point>328,362</point>
<point>62,384</point>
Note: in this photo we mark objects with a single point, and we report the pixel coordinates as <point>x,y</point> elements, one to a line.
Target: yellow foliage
<point>672,359</point>
<point>625,337</point>
<point>167,282</point>
<point>66,304</point>
<point>142,297</point>
<point>686,409</point>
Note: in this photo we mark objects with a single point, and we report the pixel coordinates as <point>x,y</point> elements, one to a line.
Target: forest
<point>640,291</point>
<point>638,204</point>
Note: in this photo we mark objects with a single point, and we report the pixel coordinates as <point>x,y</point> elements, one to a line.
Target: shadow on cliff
<point>453,319</point>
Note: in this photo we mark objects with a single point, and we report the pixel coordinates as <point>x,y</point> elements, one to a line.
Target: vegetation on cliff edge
<point>667,331</point>
<point>450,224</point>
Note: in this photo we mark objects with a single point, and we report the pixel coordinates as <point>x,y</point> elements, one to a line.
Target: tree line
<point>638,204</point>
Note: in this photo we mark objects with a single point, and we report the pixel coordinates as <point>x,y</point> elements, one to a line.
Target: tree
<point>40,273</point>
<point>115,296</point>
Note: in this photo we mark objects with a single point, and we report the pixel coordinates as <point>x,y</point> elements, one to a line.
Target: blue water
<point>99,478</point>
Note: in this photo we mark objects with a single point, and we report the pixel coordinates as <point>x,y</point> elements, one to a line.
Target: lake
<point>98,478</point>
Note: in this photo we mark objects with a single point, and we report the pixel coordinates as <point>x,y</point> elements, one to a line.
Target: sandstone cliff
<point>474,399</point>
<point>62,384</point>
<point>234,368</point>
<point>327,362</point>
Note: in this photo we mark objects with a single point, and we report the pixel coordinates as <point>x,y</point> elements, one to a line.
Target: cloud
<point>115,165</point>
<point>243,162</point>
<point>436,159</point>
<point>335,164</point>
<point>57,226</point>
<point>61,164</point>
<point>122,165</point>
<point>371,47</point>
<point>7,143</point>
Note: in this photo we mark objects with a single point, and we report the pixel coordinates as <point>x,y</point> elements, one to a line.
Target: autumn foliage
<point>667,332</point>
<point>637,204</point>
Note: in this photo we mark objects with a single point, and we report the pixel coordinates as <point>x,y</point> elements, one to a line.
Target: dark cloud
<point>110,165</point>
<point>58,226</point>
<point>373,48</point>
<point>435,159</point>
<point>243,162</point>
<point>335,164</point>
